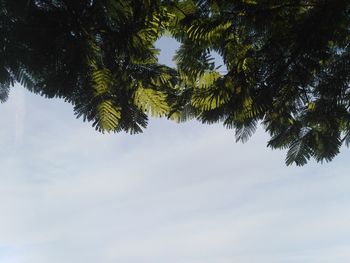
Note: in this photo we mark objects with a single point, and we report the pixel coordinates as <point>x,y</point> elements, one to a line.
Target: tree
<point>287,65</point>
<point>98,55</point>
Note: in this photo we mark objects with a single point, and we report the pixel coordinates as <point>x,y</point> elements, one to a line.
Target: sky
<point>178,193</point>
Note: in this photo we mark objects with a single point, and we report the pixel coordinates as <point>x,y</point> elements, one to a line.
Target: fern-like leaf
<point>151,101</point>
<point>299,151</point>
<point>4,92</point>
<point>245,130</point>
<point>207,79</point>
<point>108,116</point>
<point>102,79</point>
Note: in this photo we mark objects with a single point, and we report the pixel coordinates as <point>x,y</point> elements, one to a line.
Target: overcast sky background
<point>178,193</point>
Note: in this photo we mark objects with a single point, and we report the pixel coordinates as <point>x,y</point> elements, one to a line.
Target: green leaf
<point>108,116</point>
<point>151,101</point>
<point>299,152</point>
<point>207,79</point>
<point>102,81</point>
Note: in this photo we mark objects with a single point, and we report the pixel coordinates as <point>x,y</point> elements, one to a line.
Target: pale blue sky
<point>178,193</point>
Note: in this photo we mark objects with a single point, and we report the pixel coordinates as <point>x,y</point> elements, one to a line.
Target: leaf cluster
<point>286,65</point>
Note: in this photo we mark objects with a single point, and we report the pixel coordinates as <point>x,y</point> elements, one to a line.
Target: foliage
<point>287,65</point>
<point>98,55</point>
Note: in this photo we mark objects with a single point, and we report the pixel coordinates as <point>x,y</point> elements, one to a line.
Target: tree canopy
<point>287,65</point>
